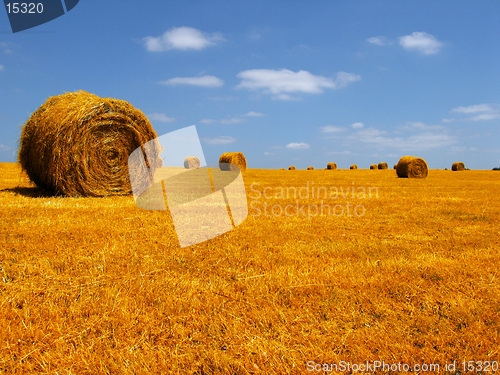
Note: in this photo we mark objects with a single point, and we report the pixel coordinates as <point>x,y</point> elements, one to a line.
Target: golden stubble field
<point>98,286</point>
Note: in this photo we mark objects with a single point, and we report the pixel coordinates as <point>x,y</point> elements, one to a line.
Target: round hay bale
<point>373,166</point>
<point>310,168</point>
<point>282,169</point>
<point>458,166</point>
<point>412,167</point>
<point>78,144</point>
<point>191,162</point>
<point>291,168</point>
<point>383,165</point>
<point>231,161</point>
<point>395,166</point>
<point>353,166</point>
<point>331,166</point>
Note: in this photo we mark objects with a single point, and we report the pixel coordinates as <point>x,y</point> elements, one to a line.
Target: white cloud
<point>494,150</point>
<point>268,153</point>
<point>182,38</point>
<point>344,78</point>
<point>253,114</point>
<point>473,108</point>
<point>422,42</point>
<point>481,112</point>
<point>7,50</point>
<point>258,33</point>
<point>254,36</point>
<point>160,117</point>
<point>284,81</point>
<point>357,125</point>
<point>417,125</point>
<point>378,40</point>
<point>223,98</point>
<point>447,120</point>
<point>458,148</point>
<point>331,129</point>
<point>223,139</point>
<point>369,135</point>
<point>207,121</point>
<point>281,83</point>
<point>286,97</point>
<point>232,120</point>
<point>297,146</point>
<point>485,116</point>
<point>417,142</point>
<point>225,121</point>
<point>203,81</point>
<point>427,141</point>
<point>345,152</point>
<point>1,68</point>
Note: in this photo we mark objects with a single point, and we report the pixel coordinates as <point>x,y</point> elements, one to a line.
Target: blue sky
<point>286,82</point>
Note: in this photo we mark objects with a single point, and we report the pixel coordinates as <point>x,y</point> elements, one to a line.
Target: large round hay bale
<point>191,162</point>
<point>78,144</point>
<point>353,166</point>
<point>458,166</point>
<point>291,168</point>
<point>310,168</point>
<point>412,167</point>
<point>230,161</point>
<point>382,165</point>
<point>373,166</point>
<point>331,165</point>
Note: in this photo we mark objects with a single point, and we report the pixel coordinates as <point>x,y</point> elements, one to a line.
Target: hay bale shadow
<point>31,192</point>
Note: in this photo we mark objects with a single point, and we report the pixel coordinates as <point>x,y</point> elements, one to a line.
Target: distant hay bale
<point>373,166</point>
<point>383,165</point>
<point>310,168</point>
<point>282,169</point>
<point>353,166</point>
<point>395,166</point>
<point>291,168</point>
<point>412,167</point>
<point>78,144</point>
<point>228,161</point>
<point>191,162</point>
<point>331,166</point>
<point>458,166</point>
